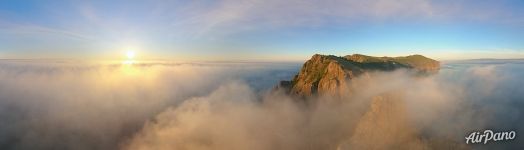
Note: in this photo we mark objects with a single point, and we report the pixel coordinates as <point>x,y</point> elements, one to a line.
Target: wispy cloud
<point>236,16</point>
<point>35,30</point>
<point>183,26</point>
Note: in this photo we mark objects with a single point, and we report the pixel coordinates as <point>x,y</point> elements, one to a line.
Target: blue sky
<point>260,30</point>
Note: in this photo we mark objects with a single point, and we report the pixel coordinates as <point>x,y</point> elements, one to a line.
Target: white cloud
<point>72,105</point>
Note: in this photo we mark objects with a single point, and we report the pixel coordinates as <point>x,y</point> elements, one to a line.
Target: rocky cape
<point>385,124</point>
<point>329,75</point>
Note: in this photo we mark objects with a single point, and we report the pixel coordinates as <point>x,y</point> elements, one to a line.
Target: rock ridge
<point>329,74</point>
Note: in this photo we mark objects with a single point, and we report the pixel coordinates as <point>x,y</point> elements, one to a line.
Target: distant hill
<point>327,74</point>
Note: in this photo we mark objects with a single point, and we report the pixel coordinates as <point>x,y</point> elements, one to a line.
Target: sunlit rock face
<point>328,74</point>
<point>325,75</point>
<point>386,122</point>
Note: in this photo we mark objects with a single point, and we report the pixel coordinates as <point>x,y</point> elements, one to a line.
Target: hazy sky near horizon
<point>260,30</point>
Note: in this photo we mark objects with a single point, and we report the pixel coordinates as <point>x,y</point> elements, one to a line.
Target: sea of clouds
<point>163,105</point>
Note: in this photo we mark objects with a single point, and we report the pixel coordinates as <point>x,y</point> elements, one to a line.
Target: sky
<point>260,30</point>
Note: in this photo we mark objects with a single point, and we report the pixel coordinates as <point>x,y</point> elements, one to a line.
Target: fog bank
<point>70,105</point>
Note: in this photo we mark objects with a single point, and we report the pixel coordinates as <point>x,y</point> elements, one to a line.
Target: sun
<point>130,54</point>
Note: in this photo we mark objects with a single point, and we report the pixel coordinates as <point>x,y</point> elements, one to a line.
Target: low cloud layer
<point>83,106</point>
<point>229,106</point>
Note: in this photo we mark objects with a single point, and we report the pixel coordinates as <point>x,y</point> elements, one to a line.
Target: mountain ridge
<point>328,74</point>
<point>385,122</point>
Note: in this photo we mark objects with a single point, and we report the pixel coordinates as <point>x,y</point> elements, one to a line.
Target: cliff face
<point>323,74</point>
<point>328,75</point>
<point>386,123</point>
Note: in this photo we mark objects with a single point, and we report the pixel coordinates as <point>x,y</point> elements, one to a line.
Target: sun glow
<point>130,54</point>
<point>130,57</point>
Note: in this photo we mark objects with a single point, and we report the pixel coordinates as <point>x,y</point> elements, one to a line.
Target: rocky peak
<point>323,74</point>
<point>328,74</point>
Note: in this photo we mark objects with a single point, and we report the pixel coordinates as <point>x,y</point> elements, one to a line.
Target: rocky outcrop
<point>328,74</point>
<point>323,74</point>
<point>385,123</point>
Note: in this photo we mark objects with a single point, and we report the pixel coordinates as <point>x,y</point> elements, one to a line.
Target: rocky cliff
<point>385,123</point>
<point>328,74</point>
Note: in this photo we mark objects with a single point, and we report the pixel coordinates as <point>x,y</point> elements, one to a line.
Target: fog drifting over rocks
<point>74,105</point>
